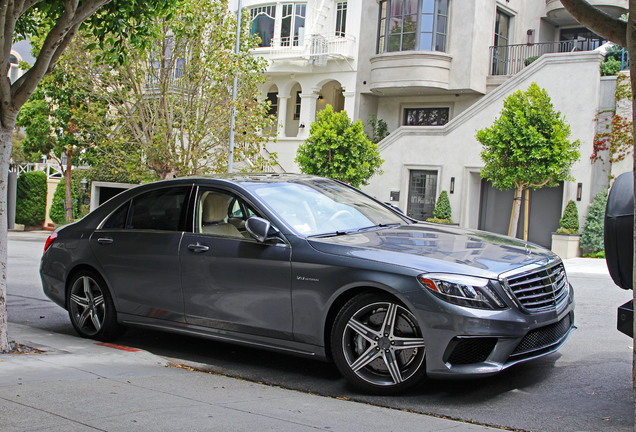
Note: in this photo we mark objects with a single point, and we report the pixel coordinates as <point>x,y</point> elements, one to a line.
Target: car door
<point>230,281</point>
<point>138,250</point>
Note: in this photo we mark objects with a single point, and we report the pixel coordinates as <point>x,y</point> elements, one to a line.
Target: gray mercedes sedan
<point>312,267</point>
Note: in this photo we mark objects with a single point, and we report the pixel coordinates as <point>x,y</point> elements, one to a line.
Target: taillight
<point>49,241</point>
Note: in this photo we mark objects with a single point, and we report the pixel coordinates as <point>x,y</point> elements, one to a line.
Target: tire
<point>91,308</point>
<point>376,351</point>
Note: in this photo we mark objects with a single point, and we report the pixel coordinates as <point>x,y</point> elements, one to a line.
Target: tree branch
<point>598,21</point>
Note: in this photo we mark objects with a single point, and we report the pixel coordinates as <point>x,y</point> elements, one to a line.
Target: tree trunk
<point>516,211</point>
<point>6,136</point>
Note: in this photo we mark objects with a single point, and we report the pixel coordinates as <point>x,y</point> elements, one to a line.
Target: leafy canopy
<point>339,149</point>
<point>528,145</point>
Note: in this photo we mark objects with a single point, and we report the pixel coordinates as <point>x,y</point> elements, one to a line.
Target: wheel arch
<point>78,269</point>
<point>341,300</point>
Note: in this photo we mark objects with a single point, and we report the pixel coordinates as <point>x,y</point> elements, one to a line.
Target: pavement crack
<point>52,413</point>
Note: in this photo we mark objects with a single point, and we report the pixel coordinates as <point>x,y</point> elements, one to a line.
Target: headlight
<point>463,290</point>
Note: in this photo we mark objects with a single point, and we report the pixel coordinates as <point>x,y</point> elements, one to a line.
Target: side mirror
<point>260,229</point>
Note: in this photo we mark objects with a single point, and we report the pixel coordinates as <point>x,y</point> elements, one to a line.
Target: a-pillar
<point>282,116</point>
<point>307,112</point>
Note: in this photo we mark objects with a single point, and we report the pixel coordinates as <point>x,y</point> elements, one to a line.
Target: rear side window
<point>162,209</point>
<point>118,219</point>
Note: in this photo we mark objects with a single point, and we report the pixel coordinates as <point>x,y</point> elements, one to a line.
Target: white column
<point>282,116</point>
<point>349,103</point>
<point>307,112</point>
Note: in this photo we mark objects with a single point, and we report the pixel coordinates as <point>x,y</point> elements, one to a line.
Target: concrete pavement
<point>79,385</point>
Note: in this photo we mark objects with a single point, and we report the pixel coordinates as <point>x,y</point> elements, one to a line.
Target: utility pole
<point>230,162</point>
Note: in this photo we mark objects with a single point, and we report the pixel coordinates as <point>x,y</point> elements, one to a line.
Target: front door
<point>422,190</point>
<point>230,281</point>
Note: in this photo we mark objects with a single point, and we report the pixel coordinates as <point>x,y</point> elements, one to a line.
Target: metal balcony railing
<point>510,59</point>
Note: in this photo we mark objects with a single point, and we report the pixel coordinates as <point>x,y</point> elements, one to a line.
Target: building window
<point>341,19</point>
<point>413,25</point>
<point>426,116</point>
<point>263,19</point>
<point>292,29</point>
<point>272,97</point>
<point>502,34</point>
<point>580,39</point>
<point>297,107</point>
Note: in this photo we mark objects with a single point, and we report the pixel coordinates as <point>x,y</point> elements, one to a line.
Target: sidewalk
<point>78,385</point>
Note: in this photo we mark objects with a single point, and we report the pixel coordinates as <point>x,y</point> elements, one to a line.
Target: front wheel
<point>377,344</point>
<point>91,307</point>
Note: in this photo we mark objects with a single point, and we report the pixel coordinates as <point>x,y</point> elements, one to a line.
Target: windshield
<point>323,207</point>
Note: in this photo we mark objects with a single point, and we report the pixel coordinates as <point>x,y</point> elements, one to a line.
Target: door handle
<point>105,240</point>
<point>198,247</point>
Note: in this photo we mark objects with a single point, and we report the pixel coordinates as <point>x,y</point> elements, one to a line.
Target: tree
<point>527,147</point>
<point>623,33</point>
<point>172,105</point>
<point>57,22</point>
<point>63,117</point>
<point>569,223</point>
<point>592,239</point>
<point>442,212</point>
<point>339,149</point>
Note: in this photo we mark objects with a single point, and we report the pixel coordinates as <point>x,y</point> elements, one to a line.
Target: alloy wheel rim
<point>87,305</point>
<point>383,344</point>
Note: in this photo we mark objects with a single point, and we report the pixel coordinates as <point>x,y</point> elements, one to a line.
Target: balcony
<point>558,15</point>
<point>315,49</point>
<point>410,72</point>
<point>510,59</point>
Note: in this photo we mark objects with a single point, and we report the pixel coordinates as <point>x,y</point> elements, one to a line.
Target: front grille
<point>471,350</point>
<point>542,289</point>
<point>543,338</point>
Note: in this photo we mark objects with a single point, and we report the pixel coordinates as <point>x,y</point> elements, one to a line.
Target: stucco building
<point>436,71</point>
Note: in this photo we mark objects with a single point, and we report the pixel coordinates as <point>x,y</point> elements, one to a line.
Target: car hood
<point>437,248</point>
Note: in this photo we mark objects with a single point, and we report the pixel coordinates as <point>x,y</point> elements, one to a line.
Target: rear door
<point>138,249</point>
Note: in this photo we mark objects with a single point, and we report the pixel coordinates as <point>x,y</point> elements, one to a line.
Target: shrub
<point>57,212</point>
<point>442,212</point>
<point>30,207</point>
<point>615,52</point>
<point>530,60</point>
<point>592,237</point>
<point>569,223</point>
<point>611,66</point>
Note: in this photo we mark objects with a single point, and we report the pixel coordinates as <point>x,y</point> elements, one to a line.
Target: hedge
<point>31,198</point>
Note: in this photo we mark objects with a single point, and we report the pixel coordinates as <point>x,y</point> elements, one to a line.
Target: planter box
<point>566,245</point>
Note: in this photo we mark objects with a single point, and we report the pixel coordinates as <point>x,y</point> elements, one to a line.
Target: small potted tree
<point>565,241</point>
<point>442,212</point>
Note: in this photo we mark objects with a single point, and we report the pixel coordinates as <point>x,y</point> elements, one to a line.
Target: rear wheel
<point>377,344</point>
<point>91,307</point>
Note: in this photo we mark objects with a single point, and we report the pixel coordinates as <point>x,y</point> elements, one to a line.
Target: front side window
<point>426,116</point>
<point>413,25</point>
<point>263,20</point>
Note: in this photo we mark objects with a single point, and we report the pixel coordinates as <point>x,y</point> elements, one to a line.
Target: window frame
<point>406,111</point>
<point>341,19</point>
<point>439,35</point>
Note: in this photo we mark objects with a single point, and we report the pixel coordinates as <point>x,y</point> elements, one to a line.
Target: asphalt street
<point>586,386</point>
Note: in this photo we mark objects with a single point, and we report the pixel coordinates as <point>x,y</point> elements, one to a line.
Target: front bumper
<point>463,342</point>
